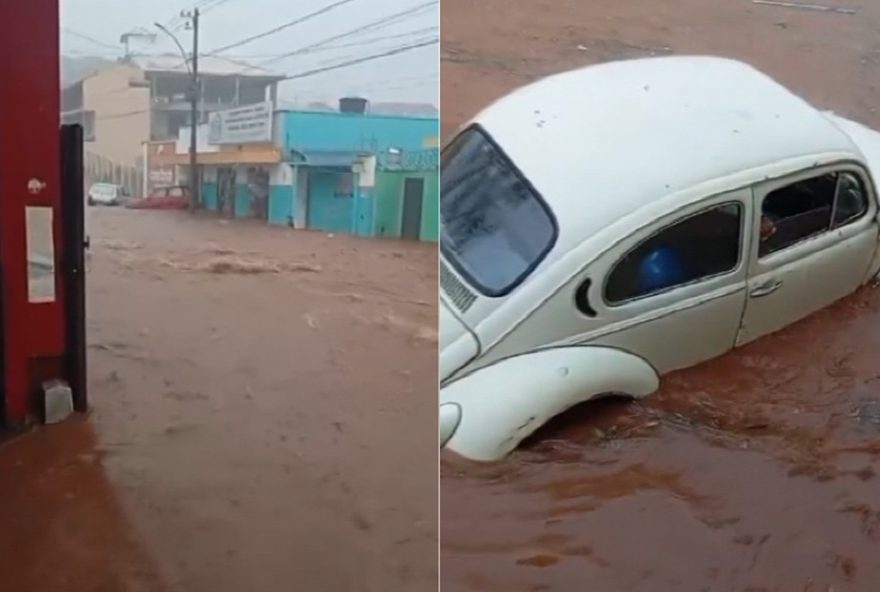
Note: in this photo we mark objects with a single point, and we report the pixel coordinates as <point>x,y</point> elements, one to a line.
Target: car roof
<point>601,142</point>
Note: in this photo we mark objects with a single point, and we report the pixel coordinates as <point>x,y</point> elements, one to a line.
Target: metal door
<point>73,262</point>
<point>411,220</point>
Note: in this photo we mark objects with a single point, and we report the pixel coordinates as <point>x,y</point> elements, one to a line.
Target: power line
<point>315,71</point>
<point>369,41</point>
<point>281,27</point>
<point>178,20</point>
<point>239,58</point>
<point>209,7</point>
<point>387,84</point>
<point>78,53</point>
<point>90,39</point>
<point>361,60</point>
<point>352,55</point>
<point>407,80</point>
<point>374,25</point>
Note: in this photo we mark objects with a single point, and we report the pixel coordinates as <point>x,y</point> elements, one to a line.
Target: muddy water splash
<point>756,471</point>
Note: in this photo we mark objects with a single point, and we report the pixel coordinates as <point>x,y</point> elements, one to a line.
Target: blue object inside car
<point>661,269</point>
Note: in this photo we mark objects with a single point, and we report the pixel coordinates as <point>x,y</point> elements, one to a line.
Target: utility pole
<point>194,92</point>
<point>195,180</point>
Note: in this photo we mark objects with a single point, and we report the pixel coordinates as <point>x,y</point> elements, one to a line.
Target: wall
<point>389,204</point>
<point>122,113</point>
<point>301,205</point>
<point>317,131</point>
<point>29,118</point>
<point>182,143</point>
<point>282,194</point>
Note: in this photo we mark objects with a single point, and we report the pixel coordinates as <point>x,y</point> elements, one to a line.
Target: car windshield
<point>495,229</point>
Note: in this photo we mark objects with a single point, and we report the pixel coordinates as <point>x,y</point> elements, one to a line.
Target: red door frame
<point>29,149</point>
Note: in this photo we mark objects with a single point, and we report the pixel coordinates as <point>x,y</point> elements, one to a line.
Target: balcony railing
<point>180,102</point>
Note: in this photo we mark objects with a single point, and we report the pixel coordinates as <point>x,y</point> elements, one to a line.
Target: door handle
<point>766,288</point>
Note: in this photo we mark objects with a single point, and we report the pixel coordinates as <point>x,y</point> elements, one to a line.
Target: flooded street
<point>259,406</point>
<point>754,472</point>
<point>757,471</point>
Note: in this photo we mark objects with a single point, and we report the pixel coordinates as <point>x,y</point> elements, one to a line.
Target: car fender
<point>485,415</point>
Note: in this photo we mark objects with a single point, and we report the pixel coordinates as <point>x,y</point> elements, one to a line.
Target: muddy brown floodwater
<point>754,472</point>
<point>264,404</point>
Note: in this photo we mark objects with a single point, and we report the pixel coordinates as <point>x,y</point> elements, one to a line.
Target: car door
<point>674,292</point>
<point>819,238</point>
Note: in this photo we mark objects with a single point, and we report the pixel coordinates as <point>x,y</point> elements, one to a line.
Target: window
<point>495,228</point>
<point>851,203</point>
<point>699,247</point>
<point>808,208</point>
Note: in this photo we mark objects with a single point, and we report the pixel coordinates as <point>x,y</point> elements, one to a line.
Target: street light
<point>176,41</point>
<point>194,181</point>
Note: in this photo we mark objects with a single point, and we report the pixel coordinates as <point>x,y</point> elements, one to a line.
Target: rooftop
<point>602,142</point>
<point>310,110</point>
<point>216,65</point>
<point>404,108</point>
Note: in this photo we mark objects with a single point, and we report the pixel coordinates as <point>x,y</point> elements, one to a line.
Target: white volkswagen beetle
<point>605,226</point>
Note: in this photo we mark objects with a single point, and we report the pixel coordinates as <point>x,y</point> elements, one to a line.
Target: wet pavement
<point>61,524</point>
<point>259,416</point>
<point>754,472</point>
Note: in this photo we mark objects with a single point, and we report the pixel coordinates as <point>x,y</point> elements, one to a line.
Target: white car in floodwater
<point>106,194</point>
<point>605,226</point>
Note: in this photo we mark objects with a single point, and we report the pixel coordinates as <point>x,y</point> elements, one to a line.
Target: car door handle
<point>766,288</point>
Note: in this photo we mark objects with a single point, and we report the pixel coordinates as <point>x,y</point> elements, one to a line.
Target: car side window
<point>808,208</point>
<point>851,202</point>
<point>698,247</point>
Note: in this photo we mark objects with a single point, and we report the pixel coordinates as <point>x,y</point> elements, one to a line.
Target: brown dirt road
<point>263,410</point>
<point>756,472</point>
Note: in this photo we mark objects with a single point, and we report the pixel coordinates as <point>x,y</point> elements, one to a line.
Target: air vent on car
<point>460,295</point>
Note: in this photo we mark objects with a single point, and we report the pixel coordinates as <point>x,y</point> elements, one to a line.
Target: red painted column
<point>29,145</point>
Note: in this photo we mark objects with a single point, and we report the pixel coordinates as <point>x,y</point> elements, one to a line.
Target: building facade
<point>339,172</point>
<point>126,104</point>
<point>407,196</point>
<point>334,159</point>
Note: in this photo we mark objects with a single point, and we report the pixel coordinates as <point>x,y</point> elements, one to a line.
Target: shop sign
<point>243,125</point>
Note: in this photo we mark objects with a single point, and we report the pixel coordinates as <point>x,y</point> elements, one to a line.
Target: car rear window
<point>495,228</point>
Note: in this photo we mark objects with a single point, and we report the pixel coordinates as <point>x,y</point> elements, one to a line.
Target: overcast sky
<point>409,76</point>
